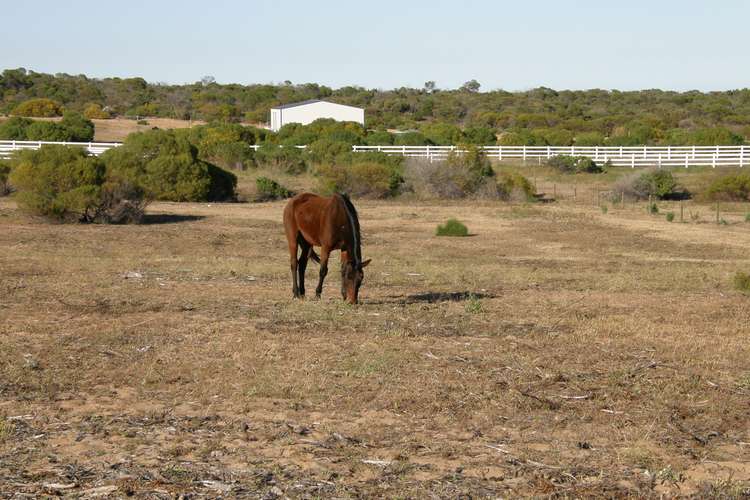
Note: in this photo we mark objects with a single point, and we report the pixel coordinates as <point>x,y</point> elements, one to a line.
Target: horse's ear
<point>365,263</point>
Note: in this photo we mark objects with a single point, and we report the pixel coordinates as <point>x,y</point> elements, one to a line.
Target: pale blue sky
<point>514,45</point>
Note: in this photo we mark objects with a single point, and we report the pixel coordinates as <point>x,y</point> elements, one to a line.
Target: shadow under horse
<point>331,224</point>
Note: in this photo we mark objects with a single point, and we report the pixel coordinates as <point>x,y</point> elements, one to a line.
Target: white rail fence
<point>7,148</point>
<point>632,156</point>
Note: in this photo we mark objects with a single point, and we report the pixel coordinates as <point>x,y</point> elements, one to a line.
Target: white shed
<point>306,112</point>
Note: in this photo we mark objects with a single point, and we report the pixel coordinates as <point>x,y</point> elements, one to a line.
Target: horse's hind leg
<point>292,241</point>
<point>302,264</point>
<point>324,252</point>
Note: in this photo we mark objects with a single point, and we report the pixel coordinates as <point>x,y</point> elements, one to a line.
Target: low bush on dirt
<point>227,145</point>
<point>742,282</point>
<point>286,159</point>
<point>452,227</point>
<point>167,167</point>
<point>14,128</point>
<point>734,187</point>
<point>659,184</point>
<point>361,179</point>
<point>64,184</point>
<point>513,186</point>
<point>575,164</point>
<point>269,189</point>
<point>460,176</point>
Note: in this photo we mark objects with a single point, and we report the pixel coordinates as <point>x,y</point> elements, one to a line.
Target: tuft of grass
<point>670,216</point>
<point>653,208</point>
<point>747,217</point>
<point>474,305</point>
<point>605,209</point>
<point>6,428</point>
<point>742,282</point>
<point>452,228</point>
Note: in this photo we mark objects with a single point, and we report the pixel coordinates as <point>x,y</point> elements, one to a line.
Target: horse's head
<point>351,279</point>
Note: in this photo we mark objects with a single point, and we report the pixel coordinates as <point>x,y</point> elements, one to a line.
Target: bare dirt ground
<point>557,351</point>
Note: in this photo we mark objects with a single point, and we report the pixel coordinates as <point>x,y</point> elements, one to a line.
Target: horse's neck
<point>351,237</point>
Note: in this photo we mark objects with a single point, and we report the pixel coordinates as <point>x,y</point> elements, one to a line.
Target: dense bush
<point>379,138</point>
<point>327,150</point>
<point>73,128</point>
<point>14,129</point>
<point>167,167</point>
<point>269,189</point>
<point>452,227</point>
<point>659,184</point>
<point>575,164</point>
<point>286,159</point>
<point>361,179</point>
<point>65,184</point>
<point>734,187</point>
<point>38,108</point>
<point>410,139</point>
<point>224,144</point>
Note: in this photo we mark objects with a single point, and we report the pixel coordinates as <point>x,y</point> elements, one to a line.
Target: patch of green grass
<point>474,305</point>
<point>742,282</point>
<point>605,209</point>
<point>452,228</point>
<point>653,208</point>
<point>6,428</point>
<point>670,216</point>
<point>747,217</point>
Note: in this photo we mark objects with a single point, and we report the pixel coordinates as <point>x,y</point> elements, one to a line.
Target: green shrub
<point>410,139</point>
<point>286,159</point>
<point>514,186</point>
<point>589,139</point>
<point>670,216</point>
<point>653,209</point>
<point>379,138</point>
<point>14,128</point>
<point>747,217</point>
<point>224,144</point>
<point>604,209</point>
<point>742,282</point>
<point>46,131</point>
<point>65,184</point>
<point>167,167</point>
<point>78,128</point>
<point>327,150</point>
<point>73,127</point>
<point>575,164</point>
<point>40,108</point>
<point>363,179</point>
<point>659,184</point>
<point>452,228</point>
<point>269,189</point>
<point>734,187</point>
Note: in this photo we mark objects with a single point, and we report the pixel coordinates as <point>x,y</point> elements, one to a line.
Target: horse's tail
<point>314,256</point>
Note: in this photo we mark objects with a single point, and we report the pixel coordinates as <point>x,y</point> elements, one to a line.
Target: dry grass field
<point>558,350</point>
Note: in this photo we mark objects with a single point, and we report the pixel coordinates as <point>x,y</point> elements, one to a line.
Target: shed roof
<point>310,101</point>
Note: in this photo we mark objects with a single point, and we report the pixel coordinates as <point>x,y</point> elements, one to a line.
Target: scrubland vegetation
<point>540,116</point>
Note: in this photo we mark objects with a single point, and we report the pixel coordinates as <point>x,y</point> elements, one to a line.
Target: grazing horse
<point>331,224</point>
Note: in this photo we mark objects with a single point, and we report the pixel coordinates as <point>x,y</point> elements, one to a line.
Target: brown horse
<point>331,224</point>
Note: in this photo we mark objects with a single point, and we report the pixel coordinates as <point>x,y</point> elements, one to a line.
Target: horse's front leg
<point>324,252</point>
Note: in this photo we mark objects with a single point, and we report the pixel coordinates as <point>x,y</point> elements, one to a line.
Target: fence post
<point>632,161</point>
<point>713,161</point>
<point>659,160</point>
<point>669,152</point>
<point>524,153</point>
<point>500,153</point>
<point>742,156</point>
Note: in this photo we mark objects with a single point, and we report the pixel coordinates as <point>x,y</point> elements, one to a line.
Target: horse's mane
<point>355,221</point>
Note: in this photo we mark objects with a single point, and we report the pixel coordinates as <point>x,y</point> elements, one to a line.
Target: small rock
<point>132,275</point>
<point>30,363</point>
<point>217,485</point>
<point>101,491</point>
